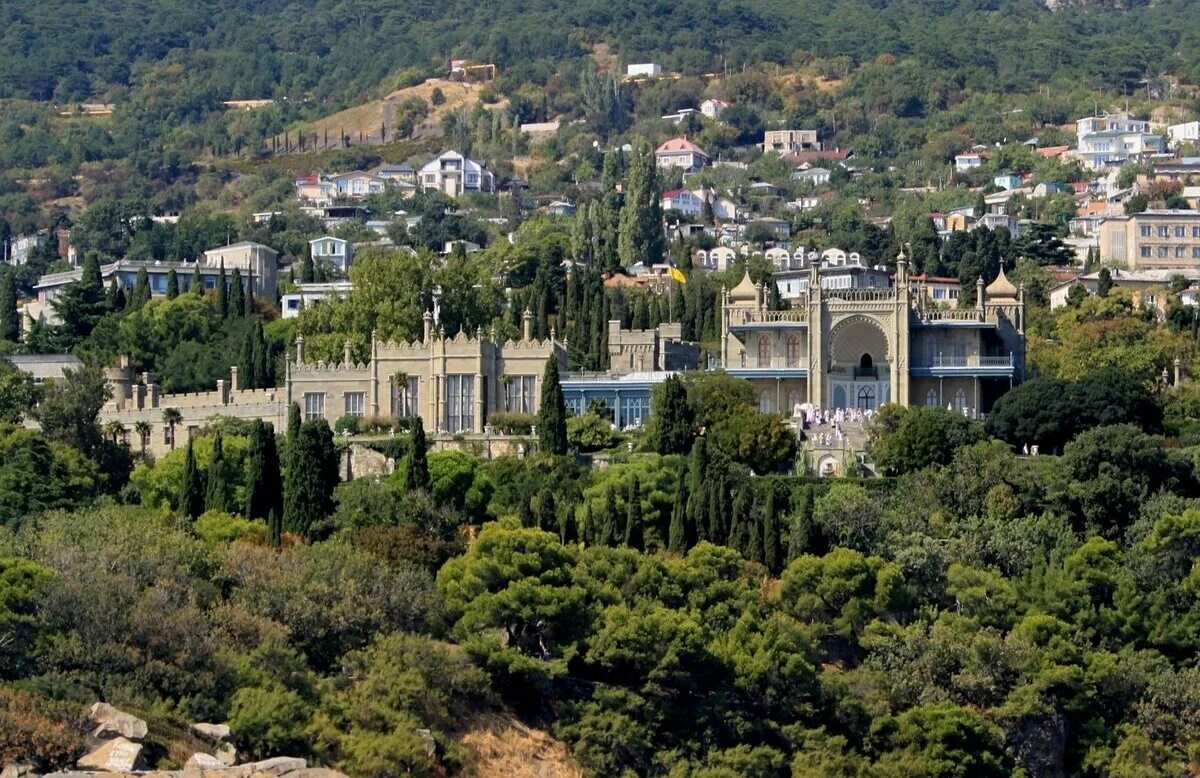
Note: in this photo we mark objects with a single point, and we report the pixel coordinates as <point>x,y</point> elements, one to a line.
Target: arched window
<point>793,351</point>
<point>960,400</point>
<point>764,402</point>
<point>931,398</point>
<point>793,399</point>
<point>866,398</point>
<point>764,351</point>
<point>839,397</point>
<point>866,363</point>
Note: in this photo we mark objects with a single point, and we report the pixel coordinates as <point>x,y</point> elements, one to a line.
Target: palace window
<point>793,351</point>
<point>314,405</point>
<point>866,398</point>
<point>356,403</point>
<point>764,351</point>
<point>931,398</point>
<point>404,398</point>
<point>519,394</point>
<point>460,403</point>
<point>960,400</point>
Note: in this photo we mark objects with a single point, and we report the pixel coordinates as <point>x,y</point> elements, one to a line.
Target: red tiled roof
<point>1052,151</point>
<point>935,279</point>
<point>679,144</point>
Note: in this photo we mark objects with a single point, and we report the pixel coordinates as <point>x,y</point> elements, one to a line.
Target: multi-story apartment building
<point>790,141</point>
<point>860,347</point>
<point>1111,139</point>
<point>1152,240</point>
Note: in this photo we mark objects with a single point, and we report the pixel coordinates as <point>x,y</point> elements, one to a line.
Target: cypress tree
<point>216,493</point>
<point>246,375</point>
<point>591,534</point>
<point>640,236</point>
<point>263,481</point>
<point>608,529</point>
<point>739,528</point>
<point>547,512</point>
<point>191,496</point>
<point>222,293</point>
<point>141,290</point>
<point>237,295</point>
<point>10,325</point>
<point>568,528</point>
<point>416,470</point>
<point>754,544</point>
<point>633,516</point>
<point>801,526</point>
<point>552,413</point>
<point>678,535</point>
<point>671,420</point>
<point>261,355</point>
<point>90,276</point>
<point>197,287</point>
<point>311,477</point>
<point>715,509</point>
<point>172,284</point>
<point>251,306</point>
<point>111,296</point>
<point>770,533</point>
<point>527,515</point>
<point>274,529</point>
<point>293,422</point>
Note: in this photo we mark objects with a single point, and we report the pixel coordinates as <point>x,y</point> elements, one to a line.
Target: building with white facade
<point>1112,139</point>
<point>454,174</point>
<point>308,295</point>
<point>337,252</point>
<point>1188,132</point>
<point>680,153</point>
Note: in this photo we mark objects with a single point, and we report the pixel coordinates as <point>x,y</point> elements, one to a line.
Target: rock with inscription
<point>116,756</point>
<point>280,765</point>
<point>111,722</point>
<point>214,732</point>
<point>202,762</point>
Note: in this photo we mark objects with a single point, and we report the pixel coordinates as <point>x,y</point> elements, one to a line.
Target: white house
<point>644,69</point>
<point>308,295</point>
<point>1189,132</point>
<point>333,251</point>
<point>680,153</point>
<point>713,108</point>
<point>356,184</point>
<point>813,176</point>
<point>454,175</point>
<point>968,160</point>
<point>1111,139</point>
<point>683,202</point>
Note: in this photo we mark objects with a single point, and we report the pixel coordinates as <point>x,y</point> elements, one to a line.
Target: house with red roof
<point>680,153</point>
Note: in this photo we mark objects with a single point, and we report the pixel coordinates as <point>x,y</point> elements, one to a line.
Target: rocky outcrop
<point>214,732</point>
<point>279,767</point>
<point>111,723</point>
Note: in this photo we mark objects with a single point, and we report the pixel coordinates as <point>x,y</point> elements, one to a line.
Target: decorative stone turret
<point>527,325</point>
<point>1178,364</point>
<point>299,349</point>
<point>427,318</point>
<point>347,359</point>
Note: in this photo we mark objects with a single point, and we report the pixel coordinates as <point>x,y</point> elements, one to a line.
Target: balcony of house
<point>756,319</point>
<point>770,367</point>
<point>971,365</point>
<point>950,317</point>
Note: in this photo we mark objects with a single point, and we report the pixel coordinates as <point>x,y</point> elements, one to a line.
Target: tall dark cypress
<point>718,531</point>
<point>261,354</point>
<point>251,306</point>
<point>697,505</point>
<point>552,413</point>
<point>10,324</point>
<point>197,287</point>
<point>222,292</point>
<point>770,533</point>
<point>591,533</point>
<point>416,469</point>
<point>634,532</point>
<point>191,495</point>
<point>311,477</point>
<point>739,526</point>
<point>247,379</point>
<point>141,290</point>
<point>547,512</point>
<point>216,492</point>
<point>172,284</point>
<point>264,487</point>
<point>608,522</point>
<point>275,529</point>
<point>237,295</point>
<point>568,528</point>
<point>801,526</point>
<point>677,535</point>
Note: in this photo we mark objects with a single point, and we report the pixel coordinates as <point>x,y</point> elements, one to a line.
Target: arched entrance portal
<point>859,371</point>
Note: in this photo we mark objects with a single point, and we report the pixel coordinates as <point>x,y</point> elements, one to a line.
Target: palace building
<point>863,346</point>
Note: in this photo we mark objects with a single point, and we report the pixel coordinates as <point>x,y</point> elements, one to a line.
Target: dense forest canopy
<point>323,49</point>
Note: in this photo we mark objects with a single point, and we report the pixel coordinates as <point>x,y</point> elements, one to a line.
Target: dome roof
<point>1001,287</point>
<point>745,291</point>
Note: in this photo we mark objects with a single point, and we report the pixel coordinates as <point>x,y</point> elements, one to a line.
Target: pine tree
<point>216,493</point>
<point>141,290</point>
<point>798,532</point>
<point>633,516</point>
<point>264,485</point>
<point>274,529</point>
<point>191,496</point>
<point>197,287</point>
<point>237,295</point>
<point>222,293</point>
<point>416,469</point>
<point>10,324</point>
<point>770,533</point>
<point>552,412</point>
<point>172,284</point>
<point>678,539</point>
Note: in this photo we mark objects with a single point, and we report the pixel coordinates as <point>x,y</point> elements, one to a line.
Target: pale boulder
<point>202,762</point>
<point>111,722</point>
<point>280,765</point>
